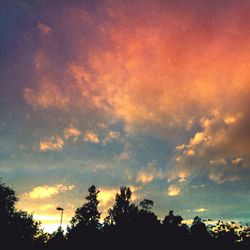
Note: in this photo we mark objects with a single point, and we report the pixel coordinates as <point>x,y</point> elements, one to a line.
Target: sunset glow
<point>154,95</point>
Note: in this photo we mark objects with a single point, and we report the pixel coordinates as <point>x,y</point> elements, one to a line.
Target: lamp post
<point>60,209</point>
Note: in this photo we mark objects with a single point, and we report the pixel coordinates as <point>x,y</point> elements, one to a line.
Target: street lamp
<point>60,209</point>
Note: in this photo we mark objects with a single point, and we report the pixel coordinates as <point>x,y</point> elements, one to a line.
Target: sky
<point>154,95</point>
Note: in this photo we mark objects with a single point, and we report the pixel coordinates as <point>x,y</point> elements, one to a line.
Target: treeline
<point>127,226</point>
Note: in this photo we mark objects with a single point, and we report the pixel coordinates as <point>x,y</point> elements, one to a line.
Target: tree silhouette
<point>147,226</point>
<point>199,233</point>
<point>177,231</point>
<point>127,226</point>
<point>198,228</point>
<point>171,220</point>
<point>146,217</point>
<point>16,227</point>
<point>122,221</point>
<point>8,199</point>
<point>88,215</point>
<point>57,240</point>
<point>245,236</point>
<point>146,204</point>
<point>85,224</point>
<point>122,212</point>
<point>225,234</point>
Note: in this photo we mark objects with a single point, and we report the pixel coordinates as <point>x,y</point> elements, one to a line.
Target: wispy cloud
<point>47,95</point>
<point>45,29</point>
<point>124,155</point>
<point>112,135</point>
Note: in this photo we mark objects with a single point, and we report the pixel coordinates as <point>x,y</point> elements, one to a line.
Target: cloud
<point>72,132</point>
<point>165,80</point>
<point>53,143</point>
<point>124,155</point>
<point>237,161</point>
<point>148,174</point>
<point>47,207</point>
<point>46,95</point>
<point>200,210</point>
<point>46,213</point>
<point>173,191</point>
<point>217,148</point>
<point>45,29</point>
<point>180,147</point>
<point>40,60</point>
<point>42,192</point>
<point>190,152</point>
<point>107,197</point>
<point>112,135</point>
<point>146,93</point>
<point>145,177</point>
<point>91,137</point>
<point>143,88</point>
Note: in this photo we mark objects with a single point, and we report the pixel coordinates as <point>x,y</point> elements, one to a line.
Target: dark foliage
<point>85,224</point>
<point>17,228</point>
<point>127,226</point>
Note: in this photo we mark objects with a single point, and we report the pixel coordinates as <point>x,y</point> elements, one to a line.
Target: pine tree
<point>123,211</point>
<point>88,215</point>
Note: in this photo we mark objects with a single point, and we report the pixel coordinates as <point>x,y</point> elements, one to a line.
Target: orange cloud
<point>216,148</point>
<point>144,178</point>
<point>47,95</point>
<point>190,152</point>
<point>53,143</point>
<point>145,88</point>
<point>45,29</point>
<point>180,147</point>
<point>237,161</point>
<point>161,75</point>
<point>71,132</point>
<point>149,174</point>
<point>91,137</point>
<point>170,73</point>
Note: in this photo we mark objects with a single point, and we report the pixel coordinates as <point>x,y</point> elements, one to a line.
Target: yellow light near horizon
<point>173,191</point>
